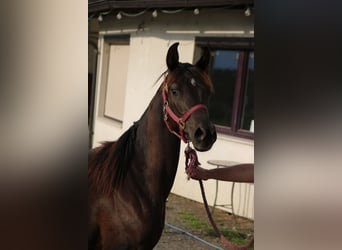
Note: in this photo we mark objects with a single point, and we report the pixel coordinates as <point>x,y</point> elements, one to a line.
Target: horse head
<point>186,94</point>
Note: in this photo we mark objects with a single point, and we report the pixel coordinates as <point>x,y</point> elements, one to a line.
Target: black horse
<point>130,179</point>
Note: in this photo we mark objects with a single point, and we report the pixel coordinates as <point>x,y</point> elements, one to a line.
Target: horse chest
<point>137,215</point>
<point>130,224</point>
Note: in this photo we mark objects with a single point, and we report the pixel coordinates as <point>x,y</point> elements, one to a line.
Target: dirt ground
<point>190,216</point>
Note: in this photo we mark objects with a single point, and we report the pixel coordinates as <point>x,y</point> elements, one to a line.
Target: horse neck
<point>160,149</point>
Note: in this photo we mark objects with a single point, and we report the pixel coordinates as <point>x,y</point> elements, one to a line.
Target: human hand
<point>197,173</point>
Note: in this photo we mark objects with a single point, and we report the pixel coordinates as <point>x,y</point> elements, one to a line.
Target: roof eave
<point>98,6</point>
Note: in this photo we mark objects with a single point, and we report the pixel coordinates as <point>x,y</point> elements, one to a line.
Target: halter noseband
<point>180,121</point>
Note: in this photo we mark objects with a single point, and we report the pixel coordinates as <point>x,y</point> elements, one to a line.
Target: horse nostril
<point>200,134</point>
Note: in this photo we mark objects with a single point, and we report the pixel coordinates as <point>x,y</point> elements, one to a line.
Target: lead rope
<point>191,162</point>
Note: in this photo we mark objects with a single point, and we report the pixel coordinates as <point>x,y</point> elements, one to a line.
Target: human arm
<point>237,173</point>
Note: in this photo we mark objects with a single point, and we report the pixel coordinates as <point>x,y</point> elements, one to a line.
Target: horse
<point>130,179</point>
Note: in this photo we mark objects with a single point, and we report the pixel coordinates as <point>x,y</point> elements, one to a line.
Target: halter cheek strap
<point>180,121</point>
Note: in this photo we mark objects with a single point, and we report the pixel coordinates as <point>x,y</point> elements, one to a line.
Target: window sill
<point>235,139</point>
<point>238,134</point>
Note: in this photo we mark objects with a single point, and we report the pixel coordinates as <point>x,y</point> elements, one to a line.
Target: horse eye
<point>174,92</point>
<point>193,82</point>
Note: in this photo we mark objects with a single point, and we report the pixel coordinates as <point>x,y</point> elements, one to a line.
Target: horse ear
<point>203,62</point>
<point>172,58</point>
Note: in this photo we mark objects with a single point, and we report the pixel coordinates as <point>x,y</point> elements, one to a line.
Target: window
<point>232,72</point>
<point>115,61</point>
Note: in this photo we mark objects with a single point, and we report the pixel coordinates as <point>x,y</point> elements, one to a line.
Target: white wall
<point>148,48</point>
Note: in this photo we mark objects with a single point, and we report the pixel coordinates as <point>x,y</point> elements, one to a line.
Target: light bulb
<point>100,18</point>
<point>155,13</point>
<point>248,12</point>
<point>196,11</point>
<point>118,16</point>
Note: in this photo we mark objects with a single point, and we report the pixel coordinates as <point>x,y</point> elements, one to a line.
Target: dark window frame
<point>245,46</point>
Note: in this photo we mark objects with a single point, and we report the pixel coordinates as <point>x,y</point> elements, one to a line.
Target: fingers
<point>196,173</point>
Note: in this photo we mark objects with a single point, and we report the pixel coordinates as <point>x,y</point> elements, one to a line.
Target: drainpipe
<point>92,95</point>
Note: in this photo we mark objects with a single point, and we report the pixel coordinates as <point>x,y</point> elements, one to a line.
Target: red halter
<point>180,121</point>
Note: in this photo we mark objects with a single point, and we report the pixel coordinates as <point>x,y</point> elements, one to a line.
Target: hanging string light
<point>121,13</point>
<point>100,17</point>
<point>172,11</point>
<point>133,14</point>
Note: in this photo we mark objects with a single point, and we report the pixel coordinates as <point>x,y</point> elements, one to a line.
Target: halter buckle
<point>181,124</point>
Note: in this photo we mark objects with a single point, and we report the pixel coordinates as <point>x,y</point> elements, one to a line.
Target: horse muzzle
<point>204,136</point>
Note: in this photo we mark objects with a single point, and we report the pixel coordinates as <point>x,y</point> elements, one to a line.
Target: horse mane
<point>109,163</point>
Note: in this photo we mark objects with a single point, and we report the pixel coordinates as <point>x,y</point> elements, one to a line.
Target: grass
<point>192,221</point>
<point>234,236</point>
